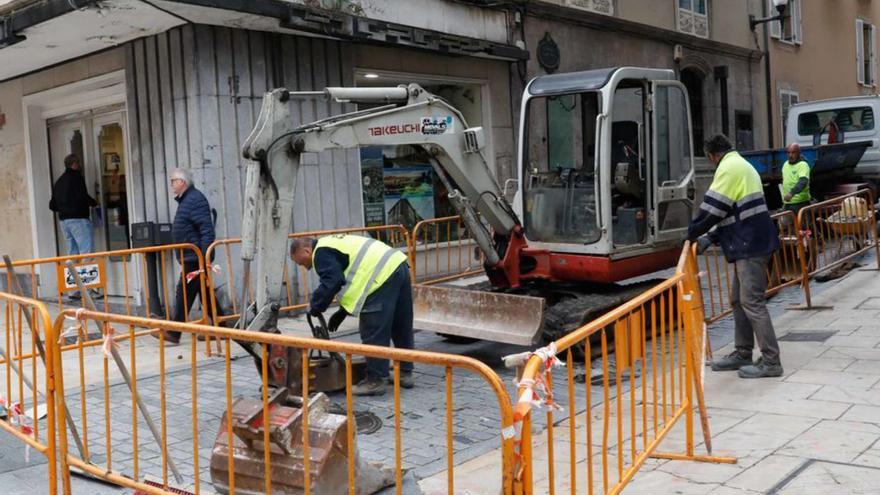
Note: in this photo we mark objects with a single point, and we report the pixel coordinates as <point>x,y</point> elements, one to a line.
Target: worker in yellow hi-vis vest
<point>734,215</point>
<point>371,281</point>
<point>795,180</point>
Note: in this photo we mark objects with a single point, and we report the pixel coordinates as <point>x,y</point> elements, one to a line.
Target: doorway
<point>693,82</point>
<point>97,138</point>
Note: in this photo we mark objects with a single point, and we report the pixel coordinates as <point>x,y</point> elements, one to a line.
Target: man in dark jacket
<point>71,200</point>
<point>193,224</point>
<point>747,235</point>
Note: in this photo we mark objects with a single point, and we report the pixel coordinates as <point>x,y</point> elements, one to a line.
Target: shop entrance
<point>97,138</point>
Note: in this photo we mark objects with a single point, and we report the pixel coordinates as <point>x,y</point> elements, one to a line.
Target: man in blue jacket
<point>193,224</point>
<point>735,205</point>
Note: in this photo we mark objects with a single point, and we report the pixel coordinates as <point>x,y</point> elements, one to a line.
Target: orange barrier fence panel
<point>189,399</point>
<point>834,232</point>
<point>784,269</point>
<point>27,391</point>
<point>633,397</point>
<point>119,282</point>
<point>224,283</point>
<point>443,250</point>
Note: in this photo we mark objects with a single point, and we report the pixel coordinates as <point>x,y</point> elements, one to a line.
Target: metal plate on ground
<point>492,316</point>
<point>366,422</point>
<point>807,336</point>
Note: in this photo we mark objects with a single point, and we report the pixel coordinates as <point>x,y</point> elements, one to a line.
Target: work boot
<point>406,379</point>
<point>761,369</point>
<point>369,386</point>
<point>732,362</point>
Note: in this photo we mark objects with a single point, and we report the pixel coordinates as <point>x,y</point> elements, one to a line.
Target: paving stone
<point>864,414</point>
<point>821,478</point>
<point>849,341</point>
<point>828,364</point>
<point>840,441</point>
<point>766,473</point>
<point>836,378</point>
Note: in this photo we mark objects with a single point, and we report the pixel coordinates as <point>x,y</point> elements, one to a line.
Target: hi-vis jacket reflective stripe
<point>791,176</point>
<point>735,203</point>
<point>370,264</point>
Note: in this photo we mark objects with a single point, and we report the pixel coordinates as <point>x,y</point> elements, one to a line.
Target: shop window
<point>791,29</point>
<point>399,183</point>
<point>693,17</point>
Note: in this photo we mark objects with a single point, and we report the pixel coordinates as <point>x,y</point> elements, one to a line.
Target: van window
<point>847,119</point>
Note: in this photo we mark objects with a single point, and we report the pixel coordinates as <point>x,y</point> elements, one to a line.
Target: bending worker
<point>747,235</point>
<point>795,180</point>
<point>372,282</point>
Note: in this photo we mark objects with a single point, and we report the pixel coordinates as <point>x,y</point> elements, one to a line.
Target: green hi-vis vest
<point>791,174</point>
<point>370,264</point>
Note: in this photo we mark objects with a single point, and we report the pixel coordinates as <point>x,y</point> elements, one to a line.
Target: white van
<point>839,120</point>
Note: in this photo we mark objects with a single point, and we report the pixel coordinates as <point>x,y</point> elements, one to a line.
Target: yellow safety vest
<point>370,264</point>
<point>791,174</point>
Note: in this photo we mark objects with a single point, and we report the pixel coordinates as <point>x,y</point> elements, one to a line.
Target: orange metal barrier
<point>657,340</point>
<point>297,280</point>
<point>180,415</point>
<point>119,277</point>
<point>22,399</point>
<point>835,231</point>
<point>443,250</point>
<point>783,270</point>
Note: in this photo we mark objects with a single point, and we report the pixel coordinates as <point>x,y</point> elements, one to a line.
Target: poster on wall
<point>409,195</point>
<point>372,164</point>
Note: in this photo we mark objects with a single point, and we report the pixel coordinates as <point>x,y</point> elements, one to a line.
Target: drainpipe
<point>768,86</point>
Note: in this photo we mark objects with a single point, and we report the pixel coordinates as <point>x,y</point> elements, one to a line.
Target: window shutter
<point>860,52</point>
<point>796,26</point>
<point>775,30</point>
<point>873,56</point>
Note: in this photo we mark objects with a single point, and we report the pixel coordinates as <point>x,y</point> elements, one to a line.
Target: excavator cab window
<point>559,189</point>
<point>629,162</point>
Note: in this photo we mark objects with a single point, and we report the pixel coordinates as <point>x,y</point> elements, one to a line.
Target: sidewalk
<point>816,430</point>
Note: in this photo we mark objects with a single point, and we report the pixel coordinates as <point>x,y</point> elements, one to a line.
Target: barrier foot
<point>697,458</point>
<point>804,307</point>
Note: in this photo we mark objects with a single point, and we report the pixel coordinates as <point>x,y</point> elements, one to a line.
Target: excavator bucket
<point>492,316</point>
<point>328,451</point>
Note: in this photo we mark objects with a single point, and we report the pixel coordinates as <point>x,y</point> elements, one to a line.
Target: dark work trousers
<point>387,317</point>
<point>192,290</point>
<point>750,315</point>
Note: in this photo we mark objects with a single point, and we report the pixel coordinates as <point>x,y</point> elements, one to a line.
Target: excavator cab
<point>606,166</point>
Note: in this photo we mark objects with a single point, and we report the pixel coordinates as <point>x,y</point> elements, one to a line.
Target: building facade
<point>179,84</point>
<point>822,50</point>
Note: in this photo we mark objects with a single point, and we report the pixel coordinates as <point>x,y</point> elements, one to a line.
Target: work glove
<point>787,197</point>
<point>336,319</point>
<point>703,244</point>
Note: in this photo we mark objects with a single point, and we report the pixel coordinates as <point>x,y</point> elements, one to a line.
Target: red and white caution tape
<point>536,393</point>
<point>18,418</point>
<point>109,341</point>
<point>195,273</point>
<point>73,328</point>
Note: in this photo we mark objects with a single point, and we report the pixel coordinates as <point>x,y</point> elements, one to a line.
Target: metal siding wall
<point>194,94</point>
